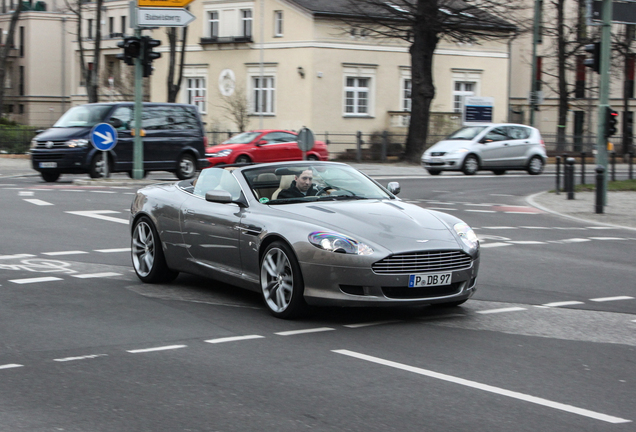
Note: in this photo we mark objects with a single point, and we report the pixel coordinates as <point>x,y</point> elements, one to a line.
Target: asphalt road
<point>547,343</point>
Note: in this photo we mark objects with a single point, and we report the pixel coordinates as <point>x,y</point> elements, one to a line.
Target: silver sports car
<point>303,233</point>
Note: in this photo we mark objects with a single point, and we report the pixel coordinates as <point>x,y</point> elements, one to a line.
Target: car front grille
<point>423,262</point>
<point>56,144</point>
<point>438,153</point>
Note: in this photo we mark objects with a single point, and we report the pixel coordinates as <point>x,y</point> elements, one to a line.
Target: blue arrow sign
<point>104,136</point>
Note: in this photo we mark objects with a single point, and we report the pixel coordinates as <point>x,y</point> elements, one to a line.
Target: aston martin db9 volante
<point>317,233</point>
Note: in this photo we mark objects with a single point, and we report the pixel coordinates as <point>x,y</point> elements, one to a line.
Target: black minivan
<point>173,140</point>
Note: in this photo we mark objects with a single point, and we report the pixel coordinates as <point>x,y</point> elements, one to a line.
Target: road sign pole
<point>601,139</point>
<point>138,146</point>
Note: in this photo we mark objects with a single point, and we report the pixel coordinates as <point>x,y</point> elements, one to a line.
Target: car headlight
<point>461,150</point>
<point>34,143</point>
<point>467,235</point>
<point>76,143</point>
<point>221,153</point>
<point>338,243</point>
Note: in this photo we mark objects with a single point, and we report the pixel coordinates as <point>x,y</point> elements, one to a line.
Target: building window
<point>246,22</point>
<point>406,94</point>
<point>357,96</point>
<point>196,91</point>
<point>90,29</point>
<point>278,23</point>
<point>21,81</point>
<point>123,24</point>
<point>21,41</point>
<point>263,95</point>
<point>21,109</point>
<point>461,90</point>
<point>213,23</point>
<point>111,25</point>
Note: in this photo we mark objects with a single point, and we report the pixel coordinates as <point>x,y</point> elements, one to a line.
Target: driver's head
<point>304,180</point>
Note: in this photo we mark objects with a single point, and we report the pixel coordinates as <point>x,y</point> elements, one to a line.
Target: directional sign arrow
<point>106,138</point>
<point>164,17</point>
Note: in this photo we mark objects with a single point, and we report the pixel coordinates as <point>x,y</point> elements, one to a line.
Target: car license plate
<point>48,164</point>
<point>426,280</point>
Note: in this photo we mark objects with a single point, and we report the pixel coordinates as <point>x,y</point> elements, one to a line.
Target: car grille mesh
<point>423,262</point>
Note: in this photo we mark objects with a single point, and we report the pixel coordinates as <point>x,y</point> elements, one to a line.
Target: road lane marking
<point>11,366</point>
<point>26,193</point>
<point>441,208</point>
<point>500,228</point>
<point>96,275</point>
<point>607,238</point>
<point>491,245</point>
<point>112,250</point>
<point>297,332</point>
<point>86,357</point>
<point>606,299</point>
<point>36,280</point>
<point>509,309</point>
<point>563,303</point>
<point>18,256</point>
<point>233,339</point>
<point>64,253</point>
<point>369,324</point>
<point>38,202</point>
<point>482,211</point>
<point>526,242</point>
<point>575,240</point>
<point>100,214</point>
<point>163,348</point>
<point>487,388</point>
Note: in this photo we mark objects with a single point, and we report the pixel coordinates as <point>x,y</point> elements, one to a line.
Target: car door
<point>211,230</point>
<point>494,147</point>
<point>280,147</point>
<point>519,145</point>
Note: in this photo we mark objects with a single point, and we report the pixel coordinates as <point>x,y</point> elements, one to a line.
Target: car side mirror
<point>218,196</point>
<point>485,140</point>
<point>261,142</point>
<point>394,188</point>
<point>116,123</point>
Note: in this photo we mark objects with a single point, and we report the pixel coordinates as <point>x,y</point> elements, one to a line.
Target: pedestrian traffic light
<point>611,118</point>
<point>132,50</point>
<point>148,54</point>
<point>595,61</point>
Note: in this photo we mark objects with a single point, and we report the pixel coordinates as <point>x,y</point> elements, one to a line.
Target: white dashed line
<point>563,303</point>
<point>86,357</point>
<point>96,275</point>
<point>440,208</point>
<point>18,256</point>
<point>500,228</point>
<point>36,280</point>
<point>482,211</point>
<point>493,245</point>
<point>526,242</point>
<point>26,193</point>
<point>607,299</point>
<point>297,332</point>
<point>607,238</point>
<point>112,250</point>
<point>38,202</point>
<point>575,240</point>
<point>234,339</point>
<point>510,309</point>
<point>369,324</point>
<point>10,366</point>
<point>486,387</point>
<point>163,348</point>
<point>64,253</point>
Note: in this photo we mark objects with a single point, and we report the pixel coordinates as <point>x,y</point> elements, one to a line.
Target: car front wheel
<point>148,259</point>
<point>434,172</point>
<point>471,165</point>
<point>242,159</point>
<point>186,167</point>
<point>50,177</point>
<point>535,166</point>
<point>281,281</point>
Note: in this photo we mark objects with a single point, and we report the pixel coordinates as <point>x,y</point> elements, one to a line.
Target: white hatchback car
<point>495,147</point>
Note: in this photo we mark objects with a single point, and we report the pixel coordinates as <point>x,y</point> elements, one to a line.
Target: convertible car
<point>348,241</point>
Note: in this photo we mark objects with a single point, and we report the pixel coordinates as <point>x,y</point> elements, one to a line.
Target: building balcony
<point>225,40</point>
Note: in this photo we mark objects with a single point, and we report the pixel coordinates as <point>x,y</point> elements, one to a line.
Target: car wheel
<point>148,259</point>
<point>281,281</point>
<point>96,169</point>
<point>50,177</point>
<point>535,166</point>
<point>499,172</point>
<point>471,165</point>
<point>434,172</point>
<point>242,159</point>
<point>186,168</point>
<point>312,157</point>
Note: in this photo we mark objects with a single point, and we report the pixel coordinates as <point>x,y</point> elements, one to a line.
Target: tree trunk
<point>5,53</point>
<point>175,87</point>
<point>562,84</point>
<point>93,84</point>
<point>425,39</point>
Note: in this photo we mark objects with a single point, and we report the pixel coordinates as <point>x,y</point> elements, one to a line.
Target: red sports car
<point>263,146</point>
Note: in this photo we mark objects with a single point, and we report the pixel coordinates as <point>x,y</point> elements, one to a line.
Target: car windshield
<point>466,133</point>
<point>242,138</point>
<point>83,116</point>
<point>307,182</point>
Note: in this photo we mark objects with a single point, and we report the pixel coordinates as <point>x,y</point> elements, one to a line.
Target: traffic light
<point>595,61</point>
<point>148,54</point>
<point>611,117</point>
<point>132,50</point>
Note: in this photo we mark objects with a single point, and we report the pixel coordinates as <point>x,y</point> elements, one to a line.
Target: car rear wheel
<point>535,166</point>
<point>242,159</point>
<point>471,165</point>
<point>281,281</point>
<point>434,172</point>
<point>50,177</point>
<point>187,167</point>
<point>148,259</point>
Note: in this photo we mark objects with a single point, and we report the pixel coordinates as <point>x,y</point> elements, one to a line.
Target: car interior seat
<point>285,182</point>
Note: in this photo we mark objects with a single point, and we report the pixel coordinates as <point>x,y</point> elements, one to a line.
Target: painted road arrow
<point>164,17</point>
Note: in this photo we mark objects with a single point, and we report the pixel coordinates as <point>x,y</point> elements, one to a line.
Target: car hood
<point>449,145</point>
<point>219,147</point>
<point>395,225</point>
<point>59,134</point>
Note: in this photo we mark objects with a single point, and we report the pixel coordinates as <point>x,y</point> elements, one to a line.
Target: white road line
<point>482,211</point>
<point>38,202</point>
<point>607,238</point>
<point>96,275</point>
<point>478,205</point>
<point>606,299</point>
<point>11,366</point>
<point>100,214</point>
<point>492,311</point>
<point>369,324</point>
<point>493,245</point>
<point>112,250</point>
<point>526,242</point>
<point>576,240</point>
<point>64,253</point>
<point>233,339</point>
<point>26,193</point>
<point>35,280</point>
<point>103,191</point>
<point>441,208</point>
<point>488,388</point>
<point>600,228</point>
<point>297,332</point>
<point>86,357</point>
<point>163,348</point>
<point>570,228</point>
<point>563,303</point>
<point>500,228</point>
<point>18,256</point>
<point>521,212</point>
<point>535,227</point>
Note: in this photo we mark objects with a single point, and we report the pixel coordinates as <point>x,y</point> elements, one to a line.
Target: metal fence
<point>16,139</point>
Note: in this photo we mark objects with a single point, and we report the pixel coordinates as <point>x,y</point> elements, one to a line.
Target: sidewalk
<point>620,209</point>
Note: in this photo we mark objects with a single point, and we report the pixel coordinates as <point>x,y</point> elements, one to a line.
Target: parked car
<point>263,146</point>
<point>350,242</point>
<point>492,147</point>
<point>174,140</point>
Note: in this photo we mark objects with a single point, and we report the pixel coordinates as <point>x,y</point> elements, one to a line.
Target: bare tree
<point>422,24</point>
<point>4,54</point>
<point>236,108</point>
<point>174,87</point>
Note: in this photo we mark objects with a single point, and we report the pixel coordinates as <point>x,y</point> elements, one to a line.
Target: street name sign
<point>164,17</point>
<point>104,136</point>
<point>163,3</point>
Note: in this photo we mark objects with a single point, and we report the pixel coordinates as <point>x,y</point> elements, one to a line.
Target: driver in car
<point>301,186</point>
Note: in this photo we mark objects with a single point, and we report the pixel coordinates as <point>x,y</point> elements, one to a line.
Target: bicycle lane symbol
<point>40,265</point>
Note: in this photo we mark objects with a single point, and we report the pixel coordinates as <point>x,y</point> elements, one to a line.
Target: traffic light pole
<point>601,136</point>
<point>138,145</point>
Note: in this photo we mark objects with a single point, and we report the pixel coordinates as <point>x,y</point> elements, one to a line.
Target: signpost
<point>164,17</point>
<point>104,138</point>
